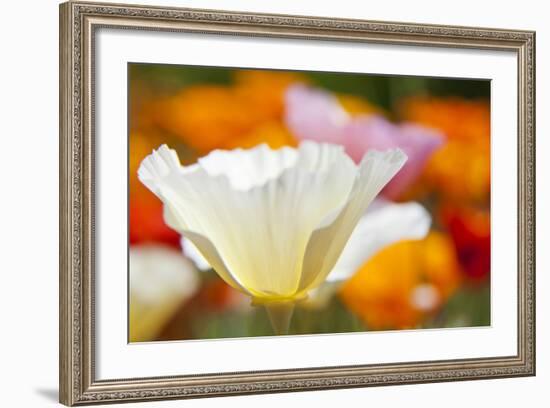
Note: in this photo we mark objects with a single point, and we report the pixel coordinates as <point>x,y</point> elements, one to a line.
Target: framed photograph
<point>256,203</point>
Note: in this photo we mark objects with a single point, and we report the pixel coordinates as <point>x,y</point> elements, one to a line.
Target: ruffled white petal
<point>383,224</point>
<point>157,167</point>
<point>248,168</point>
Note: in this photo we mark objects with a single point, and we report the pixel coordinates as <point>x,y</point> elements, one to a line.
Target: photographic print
<point>269,202</point>
<point>314,184</point>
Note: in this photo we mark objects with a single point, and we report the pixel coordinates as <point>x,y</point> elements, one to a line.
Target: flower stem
<point>280,314</point>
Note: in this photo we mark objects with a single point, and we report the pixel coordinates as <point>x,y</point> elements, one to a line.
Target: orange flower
<point>404,283</point>
<point>207,117</point>
<point>461,169</point>
<point>139,112</point>
<point>468,121</point>
<point>274,133</point>
<point>265,89</point>
<point>141,145</point>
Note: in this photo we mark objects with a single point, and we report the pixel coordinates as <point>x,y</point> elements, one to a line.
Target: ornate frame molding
<point>78,22</point>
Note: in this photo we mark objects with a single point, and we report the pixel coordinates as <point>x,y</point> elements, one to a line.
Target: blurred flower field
<point>420,256</point>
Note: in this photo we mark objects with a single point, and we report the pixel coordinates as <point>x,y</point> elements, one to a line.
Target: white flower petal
<point>383,224</point>
<point>328,241</point>
<point>204,247</point>
<point>155,168</point>
<point>162,173</point>
<point>193,253</point>
<point>248,168</point>
<point>159,274</point>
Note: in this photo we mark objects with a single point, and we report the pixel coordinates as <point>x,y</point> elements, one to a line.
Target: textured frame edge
<point>66,326</point>
<point>76,366</point>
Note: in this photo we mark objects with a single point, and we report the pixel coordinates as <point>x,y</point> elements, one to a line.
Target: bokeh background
<point>440,281</point>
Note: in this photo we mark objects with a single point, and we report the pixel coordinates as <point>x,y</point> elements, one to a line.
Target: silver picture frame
<point>78,24</point>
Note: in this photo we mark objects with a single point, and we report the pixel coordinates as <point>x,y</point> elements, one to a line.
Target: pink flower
<point>312,114</point>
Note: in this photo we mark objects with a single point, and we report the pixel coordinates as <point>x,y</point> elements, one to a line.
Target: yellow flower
<point>403,283</point>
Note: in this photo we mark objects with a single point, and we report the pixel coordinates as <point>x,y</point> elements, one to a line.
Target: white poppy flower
<point>161,279</point>
<point>383,224</point>
<point>272,223</point>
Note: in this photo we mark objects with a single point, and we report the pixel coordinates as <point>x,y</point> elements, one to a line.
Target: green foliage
<point>382,90</point>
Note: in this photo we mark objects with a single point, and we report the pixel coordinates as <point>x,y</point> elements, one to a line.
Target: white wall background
<point>29,191</point>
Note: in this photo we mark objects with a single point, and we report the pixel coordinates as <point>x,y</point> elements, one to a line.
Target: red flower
<point>147,223</point>
<point>471,232</point>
